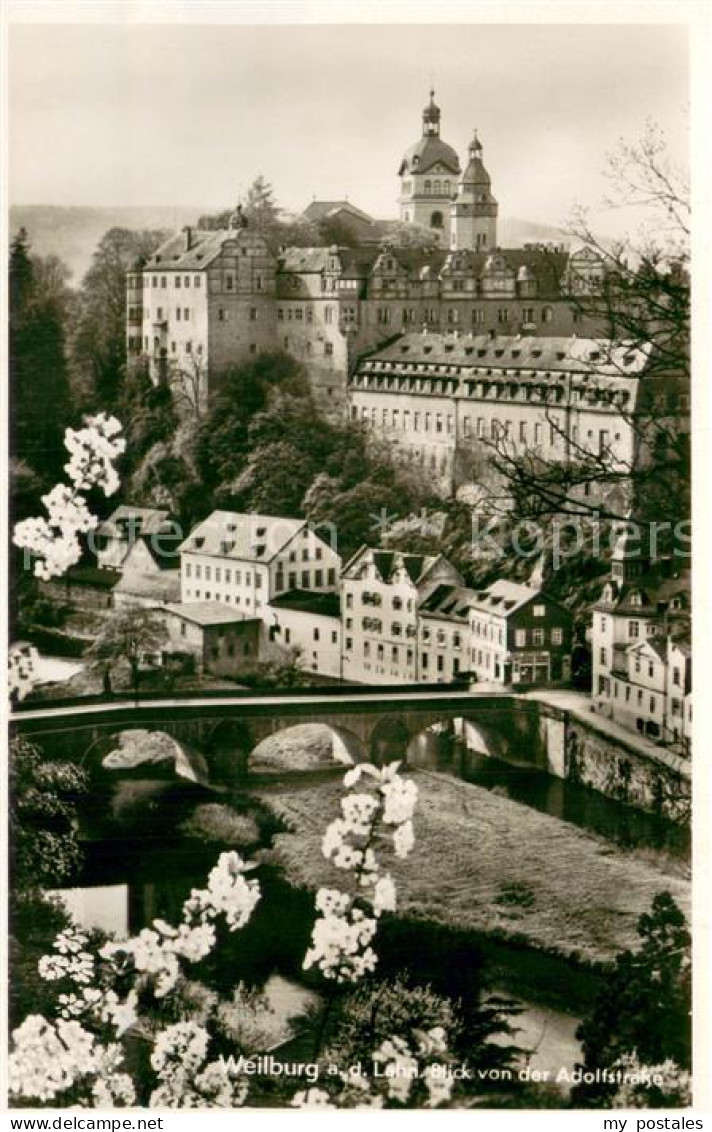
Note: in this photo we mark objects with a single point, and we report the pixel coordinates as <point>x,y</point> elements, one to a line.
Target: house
<point>381,591</point>
<point>447,398</point>
<point>638,686</point>
<point>444,633</point>
<point>343,216</point>
<point>519,634</point>
<point>642,675</point>
<point>245,560</point>
<point>222,641</point>
<point>311,623</point>
<point>643,597</point>
<point>147,577</point>
<point>678,692</point>
<point>115,536</point>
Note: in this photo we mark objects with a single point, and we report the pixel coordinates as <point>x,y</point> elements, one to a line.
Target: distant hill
<point>73,233</point>
<point>514,233</point>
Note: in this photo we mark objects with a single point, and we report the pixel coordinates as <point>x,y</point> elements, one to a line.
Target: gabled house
<point>245,560</point>
<point>115,536</point>
<point>519,634</point>
<point>148,577</point>
<point>381,591</point>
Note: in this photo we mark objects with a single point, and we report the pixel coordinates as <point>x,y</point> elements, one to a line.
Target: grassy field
<point>487,863</point>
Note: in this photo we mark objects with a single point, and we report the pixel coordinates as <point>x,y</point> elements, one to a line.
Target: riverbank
<point>491,865</point>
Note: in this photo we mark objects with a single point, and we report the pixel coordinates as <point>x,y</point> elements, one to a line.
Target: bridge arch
<point>389,741</point>
<point>320,745</point>
<point>431,742</point>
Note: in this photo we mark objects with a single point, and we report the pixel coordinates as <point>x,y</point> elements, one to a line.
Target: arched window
<point>547,314</point>
<point>427,187</point>
<point>436,220</point>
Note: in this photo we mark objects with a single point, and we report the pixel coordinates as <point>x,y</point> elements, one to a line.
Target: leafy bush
<point>216,822</point>
<point>378,1009</point>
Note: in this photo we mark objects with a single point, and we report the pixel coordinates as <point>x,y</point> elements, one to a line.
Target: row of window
<point>187,346</point>
<point>230,576</point>
<point>162,280</point>
<point>308,347</point>
<point>400,655</point>
<point>228,599</point>
<point>372,598</point>
<point>426,378</point>
<point>222,573</point>
<point>303,580</point>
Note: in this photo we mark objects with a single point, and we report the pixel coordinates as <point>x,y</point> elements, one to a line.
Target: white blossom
<point>70,960</point>
<point>384,895</point>
<point>439,1086</point>
<point>22,662</point>
<point>400,796</point>
<point>312,1098</point>
<point>182,1047</point>
<point>92,453</point>
<point>359,811</point>
<point>403,839</point>
<point>399,1068</point>
<point>228,893</point>
<point>68,511</point>
<point>340,944</point>
<point>48,1057</point>
<point>115,1091</point>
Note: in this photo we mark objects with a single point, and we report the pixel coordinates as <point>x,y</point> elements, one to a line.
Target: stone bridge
<point>366,726</point>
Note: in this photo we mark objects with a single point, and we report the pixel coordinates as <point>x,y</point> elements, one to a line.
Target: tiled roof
<point>656,594</point>
<point>429,151</point>
<point>581,355</point>
<point>207,612</point>
<point>448,601</point>
<point>304,260</point>
<point>247,537</point>
<point>322,209</point>
<point>205,246</point>
<point>142,520</point>
<point>388,561</point>
<point>309,601</point>
<point>504,597</point>
<point>168,560</point>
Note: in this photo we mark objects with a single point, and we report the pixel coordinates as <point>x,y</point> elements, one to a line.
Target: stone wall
<point>579,751</point>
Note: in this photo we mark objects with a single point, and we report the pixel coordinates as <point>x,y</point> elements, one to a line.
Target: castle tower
<point>428,173</point>
<point>473,214</point>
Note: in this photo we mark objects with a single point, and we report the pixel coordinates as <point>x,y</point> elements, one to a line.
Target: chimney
<point>188,233</point>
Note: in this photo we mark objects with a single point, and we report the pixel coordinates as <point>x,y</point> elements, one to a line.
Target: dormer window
<point>636,598</point>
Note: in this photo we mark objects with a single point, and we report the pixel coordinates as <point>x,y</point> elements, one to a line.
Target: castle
<point>436,195</point>
<point>438,347</point>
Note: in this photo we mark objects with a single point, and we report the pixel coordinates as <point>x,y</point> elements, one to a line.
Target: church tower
<point>428,173</point>
<point>473,214</point>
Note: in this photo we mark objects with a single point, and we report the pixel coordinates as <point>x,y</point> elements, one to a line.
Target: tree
<point>37,364</point>
<point>636,291</point>
<point>129,635</point>
<point>260,208</point>
<point>45,849</point>
<point>98,347</point>
<point>643,1006</point>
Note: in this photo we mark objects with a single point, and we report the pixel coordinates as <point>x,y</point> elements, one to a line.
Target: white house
<point>245,560</point>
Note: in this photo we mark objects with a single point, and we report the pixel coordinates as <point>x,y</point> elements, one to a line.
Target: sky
<point>186,115</point>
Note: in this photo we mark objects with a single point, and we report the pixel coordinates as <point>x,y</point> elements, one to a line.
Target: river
<point>140,866</point>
